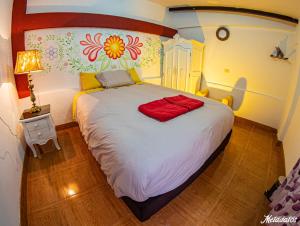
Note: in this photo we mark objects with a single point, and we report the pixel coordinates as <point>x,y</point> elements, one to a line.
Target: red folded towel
<point>170,107</point>
<point>162,110</point>
<point>184,101</point>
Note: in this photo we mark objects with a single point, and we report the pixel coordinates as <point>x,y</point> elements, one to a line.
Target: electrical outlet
<point>226,70</point>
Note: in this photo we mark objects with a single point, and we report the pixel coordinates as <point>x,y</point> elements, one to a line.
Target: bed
<point>147,163</point>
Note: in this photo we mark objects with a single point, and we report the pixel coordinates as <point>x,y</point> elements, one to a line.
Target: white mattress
<point>140,156</point>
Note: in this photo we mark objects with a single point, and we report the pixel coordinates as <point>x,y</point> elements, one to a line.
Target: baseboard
<point>262,126</point>
<point>66,125</point>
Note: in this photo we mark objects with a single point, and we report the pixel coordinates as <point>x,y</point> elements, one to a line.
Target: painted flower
<point>51,53</point>
<point>114,47</point>
<point>39,39</point>
<point>69,34</point>
<point>134,46</point>
<point>92,46</point>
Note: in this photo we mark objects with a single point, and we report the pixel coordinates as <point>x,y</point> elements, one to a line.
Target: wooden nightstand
<point>39,128</point>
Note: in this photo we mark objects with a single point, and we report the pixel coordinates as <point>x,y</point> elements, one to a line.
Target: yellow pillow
<point>202,93</point>
<point>88,81</point>
<point>134,75</point>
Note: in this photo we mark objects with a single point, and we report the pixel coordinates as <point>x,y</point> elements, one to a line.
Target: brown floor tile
<point>169,215</point>
<point>276,162</point>
<point>232,212</point>
<point>240,137</point>
<point>51,216</point>
<point>198,200</point>
<point>74,179</point>
<point>263,210</point>
<point>246,188</point>
<point>256,160</point>
<point>262,138</point>
<point>219,173</point>
<point>42,192</point>
<point>232,154</point>
<point>55,161</point>
<point>97,207</point>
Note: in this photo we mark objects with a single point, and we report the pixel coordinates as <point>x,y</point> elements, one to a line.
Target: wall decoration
<point>222,33</point>
<point>278,54</point>
<point>95,50</point>
<point>93,46</point>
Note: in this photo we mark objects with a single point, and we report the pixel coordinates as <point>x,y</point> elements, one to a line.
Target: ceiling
<point>286,7</point>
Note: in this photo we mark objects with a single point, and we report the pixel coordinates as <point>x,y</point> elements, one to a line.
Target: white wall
<point>289,131</point>
<point>246,54</point>
<point>11,148</point>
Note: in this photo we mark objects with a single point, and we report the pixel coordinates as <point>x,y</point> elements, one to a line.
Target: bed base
<point>144,210</point>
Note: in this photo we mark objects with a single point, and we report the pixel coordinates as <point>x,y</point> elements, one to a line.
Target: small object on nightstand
<point>39,128</point>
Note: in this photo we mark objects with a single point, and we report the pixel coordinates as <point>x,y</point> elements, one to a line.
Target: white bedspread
<point>140,156</point>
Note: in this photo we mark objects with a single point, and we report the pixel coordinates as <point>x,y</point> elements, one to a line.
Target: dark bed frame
<point>144,210</point>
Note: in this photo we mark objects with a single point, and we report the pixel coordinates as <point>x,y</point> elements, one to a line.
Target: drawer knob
<point>36,125</point>
<point>39,134</point>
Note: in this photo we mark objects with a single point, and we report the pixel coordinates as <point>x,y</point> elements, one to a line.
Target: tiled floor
<point>68,187</point>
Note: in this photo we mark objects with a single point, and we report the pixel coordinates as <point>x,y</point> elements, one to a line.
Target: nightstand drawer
<point>39,134</point>
<point>37,125</point>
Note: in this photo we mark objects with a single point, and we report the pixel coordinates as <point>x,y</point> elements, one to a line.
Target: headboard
<point>22,22</point>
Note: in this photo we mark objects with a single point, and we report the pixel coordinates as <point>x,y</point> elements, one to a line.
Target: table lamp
<point>29,61</point>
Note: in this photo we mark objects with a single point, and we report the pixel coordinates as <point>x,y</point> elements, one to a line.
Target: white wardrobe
<point>182,64</point>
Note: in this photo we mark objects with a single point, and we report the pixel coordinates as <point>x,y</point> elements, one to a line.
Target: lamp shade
<point>28,61</point>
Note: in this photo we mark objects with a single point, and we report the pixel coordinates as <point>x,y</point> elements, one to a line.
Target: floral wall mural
<point>75,50</point>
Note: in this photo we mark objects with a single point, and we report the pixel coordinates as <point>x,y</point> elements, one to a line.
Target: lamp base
<point>35,109</point>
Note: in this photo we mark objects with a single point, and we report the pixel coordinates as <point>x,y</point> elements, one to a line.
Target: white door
<point>176,68</point>
<point>183,68</point>
<point>182,64</point>
<point>168,67</point>
<point>196,62</point>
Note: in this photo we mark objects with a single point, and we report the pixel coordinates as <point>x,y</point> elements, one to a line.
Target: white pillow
<point>116,78</point>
